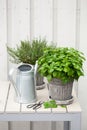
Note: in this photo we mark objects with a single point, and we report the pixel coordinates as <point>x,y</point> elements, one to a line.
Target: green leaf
<point>49,77</point>
<point>50,104</point>
<point>51,70</point>
<point>55,74</point>
<point>65,69</point>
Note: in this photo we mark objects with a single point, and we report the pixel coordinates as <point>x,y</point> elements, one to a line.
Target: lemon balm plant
<point>61,66</point>
<point>63,63</point>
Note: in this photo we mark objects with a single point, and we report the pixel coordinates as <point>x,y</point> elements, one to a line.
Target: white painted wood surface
<point>9,105</point>
<point>12,107</point>
<point>75,107</point>
<point>4,88</point>
<point>12,110</point>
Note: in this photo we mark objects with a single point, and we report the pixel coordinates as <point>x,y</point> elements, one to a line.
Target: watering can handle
<point>36,66</point>
<point>12,81</point>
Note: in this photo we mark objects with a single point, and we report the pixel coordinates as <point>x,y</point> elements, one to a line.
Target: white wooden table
<point>13,111</point>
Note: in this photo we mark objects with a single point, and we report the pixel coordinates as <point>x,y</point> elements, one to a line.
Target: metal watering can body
<point>24,84</point>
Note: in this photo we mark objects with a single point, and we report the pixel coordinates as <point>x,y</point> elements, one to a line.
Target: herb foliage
<point>63,63</point>
<point>27,52</point>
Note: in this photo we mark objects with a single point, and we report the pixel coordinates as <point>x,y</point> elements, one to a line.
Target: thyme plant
<point>27,52</point>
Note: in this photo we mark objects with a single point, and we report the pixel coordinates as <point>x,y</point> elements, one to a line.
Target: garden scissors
<point>35,105</point>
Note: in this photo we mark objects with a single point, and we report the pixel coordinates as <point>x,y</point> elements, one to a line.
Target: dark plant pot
<point>59,91</point>
<point>40,84</point>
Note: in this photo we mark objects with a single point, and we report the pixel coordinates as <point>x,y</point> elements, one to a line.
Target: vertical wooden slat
<point>4,125</point>
<point>55,22</point>
<point>43,19</point>
<point>20,125</point>
<point>18,21</point>
<point>41,125</point>
<point>66,22</point>
<point>77,27</point>
<point>66,125</point>
<point>3,39</point>
<point>82,83</point>
<point>31,19</point>
<point>76,123</point>
<point>77,33</point>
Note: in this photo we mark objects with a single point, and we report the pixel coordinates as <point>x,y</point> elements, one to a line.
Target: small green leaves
<point>63,63</point>
<point>50,104</point>
<point>28,52</point>
<point>54,74</point>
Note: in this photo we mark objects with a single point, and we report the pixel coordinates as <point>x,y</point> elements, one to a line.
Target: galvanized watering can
<point>24,83</point>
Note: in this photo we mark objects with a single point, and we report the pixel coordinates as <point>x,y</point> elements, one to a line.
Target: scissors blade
<point>31,105</point>
<point>38,106</point>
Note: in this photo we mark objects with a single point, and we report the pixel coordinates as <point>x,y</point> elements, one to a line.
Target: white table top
<point>8,105</point>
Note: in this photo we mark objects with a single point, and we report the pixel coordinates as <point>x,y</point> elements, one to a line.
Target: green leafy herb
<point>27,52</point>
<point>50,104</point>
<point>63,63</point>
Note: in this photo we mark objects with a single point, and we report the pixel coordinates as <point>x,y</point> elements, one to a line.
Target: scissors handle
<point>35,106</point>
<point>30,106</point>
<point>38,105</point>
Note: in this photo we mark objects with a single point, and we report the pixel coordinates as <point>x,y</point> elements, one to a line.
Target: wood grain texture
<point>74,107</point>
<point>24,109</point>
<point>66,18</point>
<point>20,125</point>
<point>12,105</point>
<point>43,19</point>
<point>4,125</point>
<point>3,40</point>
<point>4,86</point>
<point>59,109</point>
<point>19,21</point>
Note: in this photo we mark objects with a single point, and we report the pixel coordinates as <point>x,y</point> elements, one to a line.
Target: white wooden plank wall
<point>60,21</point>
<point>3,40</point>
<point>82,90</point>
<point>18,21</point>
<point>66,18</point>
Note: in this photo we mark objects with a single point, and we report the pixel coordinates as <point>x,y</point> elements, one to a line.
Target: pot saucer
<point>64,102</point>
<point>40,86</point>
